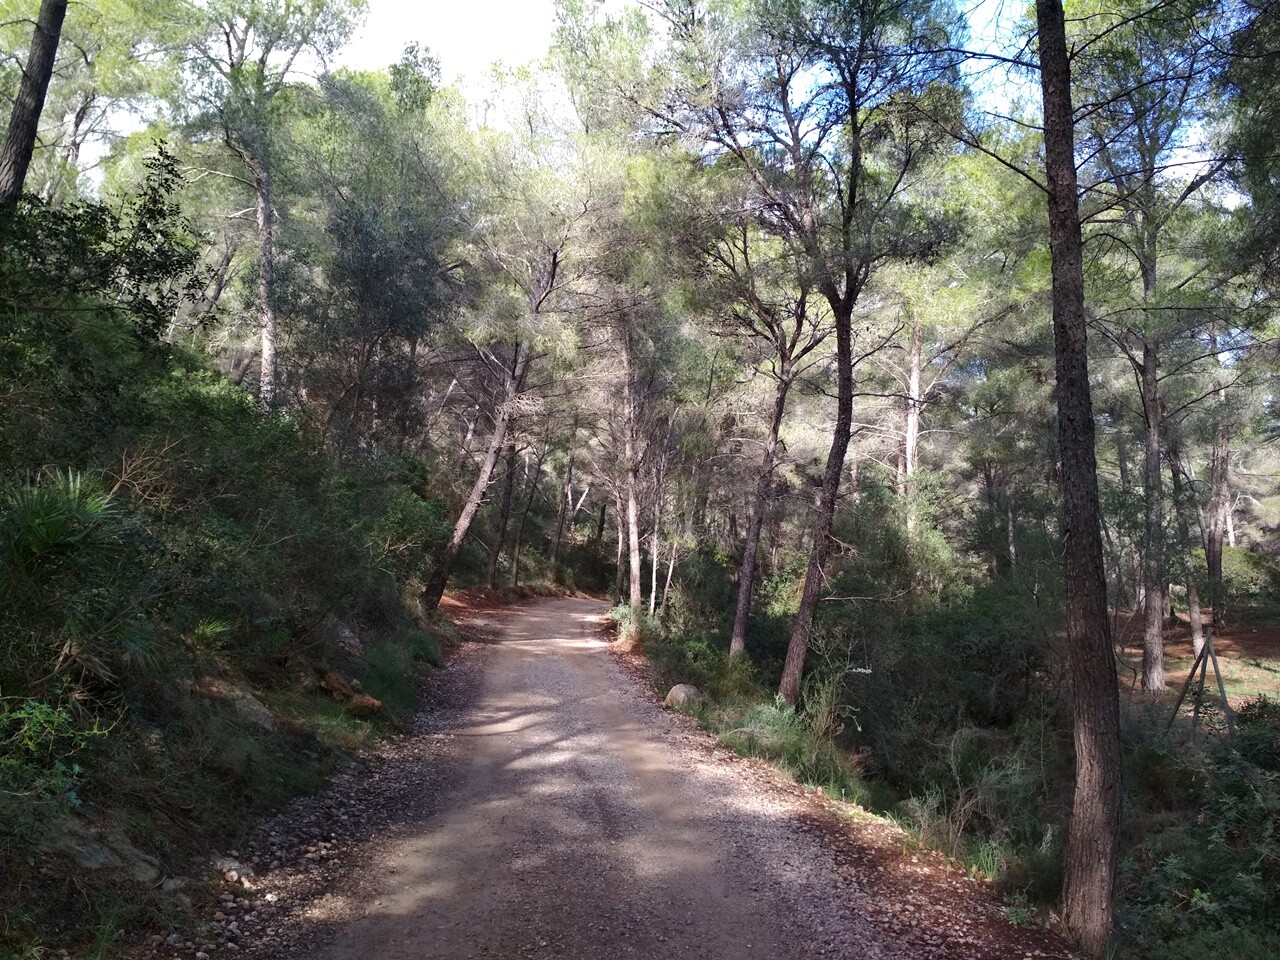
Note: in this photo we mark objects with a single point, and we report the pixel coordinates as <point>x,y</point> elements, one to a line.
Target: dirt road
<point>546,806</point>
<point>577,830</point>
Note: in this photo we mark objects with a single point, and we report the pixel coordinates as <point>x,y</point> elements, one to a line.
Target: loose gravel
<point>544,804</point>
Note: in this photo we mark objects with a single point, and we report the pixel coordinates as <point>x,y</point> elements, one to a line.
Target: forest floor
<point>545,805</point>
<point>1248,650</point>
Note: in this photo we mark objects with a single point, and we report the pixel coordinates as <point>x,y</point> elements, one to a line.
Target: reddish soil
<point>1246,640</point>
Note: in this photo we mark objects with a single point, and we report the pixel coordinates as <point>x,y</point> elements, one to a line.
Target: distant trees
<point>816,104</point>
<point>241,59</point>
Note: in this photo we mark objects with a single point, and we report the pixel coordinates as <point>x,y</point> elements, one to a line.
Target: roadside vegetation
<point>950,719</point>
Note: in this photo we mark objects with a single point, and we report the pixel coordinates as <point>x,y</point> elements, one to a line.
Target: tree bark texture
<point>1216,533</point>
<point>1089,870</point>
<point>501,421</point>
<point>911,433</point>
<point>619,570</point>
<point>631,456</point>
<point>24,121</point>
<point>566,504</point>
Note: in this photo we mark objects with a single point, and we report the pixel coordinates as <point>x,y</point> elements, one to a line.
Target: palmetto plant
<point>47,518</point>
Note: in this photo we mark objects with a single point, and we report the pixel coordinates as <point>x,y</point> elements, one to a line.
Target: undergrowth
<point>158,530</point>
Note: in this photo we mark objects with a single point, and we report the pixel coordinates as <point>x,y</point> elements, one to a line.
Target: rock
<point>341,634</point>
<point>683,696</point>
<point>230,865</point>
<point>363,705</point>
<point>98,846</point>
<point>337,686</point>
<point>246,704</point>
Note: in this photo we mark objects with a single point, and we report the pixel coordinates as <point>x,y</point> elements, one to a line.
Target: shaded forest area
<point>909,381</point>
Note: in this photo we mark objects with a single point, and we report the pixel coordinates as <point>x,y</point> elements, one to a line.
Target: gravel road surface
<point>545,805</point>
<point>577,830</point>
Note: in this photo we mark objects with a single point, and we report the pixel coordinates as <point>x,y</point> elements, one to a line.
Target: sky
<point>466,36</point>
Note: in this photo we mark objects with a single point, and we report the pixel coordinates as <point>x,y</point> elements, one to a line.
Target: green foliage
<point>156,528</point>
<point>1250,577</point>
<point>706,665</point>
<point>41,748</point>
<point>778,732</point>
<point>1209,868</point>
<point>1258,733</point>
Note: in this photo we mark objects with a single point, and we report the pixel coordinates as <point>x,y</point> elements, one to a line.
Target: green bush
<point>156,527</point>
<point>1250,577</point>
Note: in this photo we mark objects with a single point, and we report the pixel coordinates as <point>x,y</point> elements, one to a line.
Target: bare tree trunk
<point>798,647</point>
<point>1153,579</point>
<point>911,434</point>
<point>1088,882</point>
<point>524,515</point>
<point>1219,499</point>
<point>600,523</point>
<point>631,455</point>
<point>618,574</point>
<point>1135,578</point>
<point>759,509</point>
<point>267,379</point>
<point>655,549</point>
<point>24,121</point>
<point>504,516</point>
<point>1010,530</point>
<point>566,503</point>
<point>1193,592</point>
<point>501,420</point>
<point>666,589</point>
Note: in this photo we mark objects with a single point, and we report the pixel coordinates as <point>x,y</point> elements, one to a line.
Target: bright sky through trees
<point>465,37</point>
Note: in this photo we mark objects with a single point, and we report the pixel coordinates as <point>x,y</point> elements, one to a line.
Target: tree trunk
<point>655,550</point>
<point>759,509</point>
<point>566,503</point>
<point>1010,531</point>
<point>622,538</point>
<point>1134,579</point>
<point>600,523</point>
<point>501,420</point>
<point>666,589</point>
<point>24,121</point>
<point>631,456</point>
<point>524,516</point>
<point>798,647</point>
<point>1153,579</point>
<point>504,516</point>
<point>1219,500</point>
<point>267,384</point>
<point>1193,592</point>
<point>911,433</point>
<point>1088,883</point>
